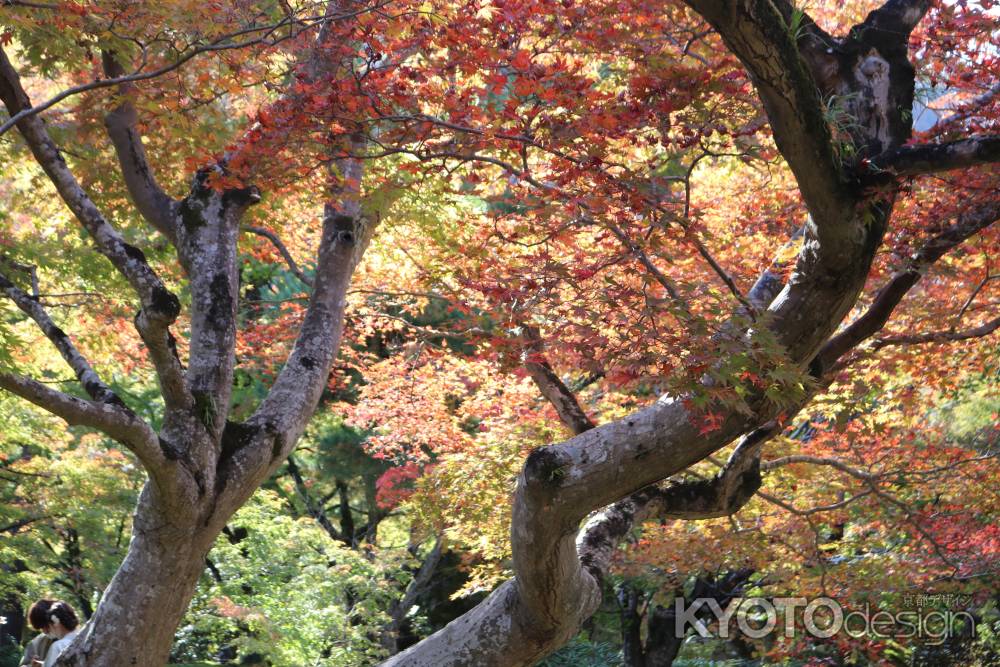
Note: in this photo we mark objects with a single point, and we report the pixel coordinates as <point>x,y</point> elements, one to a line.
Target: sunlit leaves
<point>281,588</point>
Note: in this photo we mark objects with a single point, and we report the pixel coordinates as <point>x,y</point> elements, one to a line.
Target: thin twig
<point>273,238</point>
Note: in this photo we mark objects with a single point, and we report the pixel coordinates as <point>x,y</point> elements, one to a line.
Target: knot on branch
<point>545,468</point>
<point>236,436</point>
<point>161,311</point>
<point>165,304</point>
<point>242,197</point>
<point>345,227</point>
<point>216,181</point>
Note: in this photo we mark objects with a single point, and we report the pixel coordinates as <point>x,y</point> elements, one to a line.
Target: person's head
<point>38,615</point>
<point>62,619</point>
<point>53,617</point>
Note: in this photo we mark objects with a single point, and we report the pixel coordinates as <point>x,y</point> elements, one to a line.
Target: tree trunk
<point>633,653</point>
<point>141,608</point>
<point>13,625</point>
<point>662,643</point>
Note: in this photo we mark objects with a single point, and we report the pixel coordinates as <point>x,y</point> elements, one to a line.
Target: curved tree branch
<point>891,294</point>
<point>122,125</point>
<point>982,330</point>
<point>116,421</point>
<point>559,484</point>
<point>30,270</point>
<point>274,239</point>
<point>722,495</point>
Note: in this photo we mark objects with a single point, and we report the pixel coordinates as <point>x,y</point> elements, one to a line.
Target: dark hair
<point>38,615</point>
<point>64,613</point>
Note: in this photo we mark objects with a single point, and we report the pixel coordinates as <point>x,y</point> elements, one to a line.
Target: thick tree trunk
<point>220,463</point>
<point>498,632</point>
<point>136,619</point>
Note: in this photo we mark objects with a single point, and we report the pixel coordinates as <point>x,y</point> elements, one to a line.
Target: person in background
<point>38,648</point>
<point>63,626</point>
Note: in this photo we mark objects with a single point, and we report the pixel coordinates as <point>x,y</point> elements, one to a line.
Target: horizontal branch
<point>15,526</point>
<point>950,336</point>
<point>428,332</point>
<point>115,421</point>
<point>817,460</point>
<point>932,158</point>
<point>813,510</point>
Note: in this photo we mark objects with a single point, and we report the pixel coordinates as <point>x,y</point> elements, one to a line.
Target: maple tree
<point>658,217</point>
